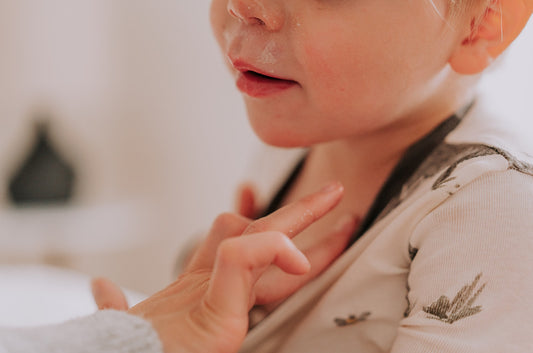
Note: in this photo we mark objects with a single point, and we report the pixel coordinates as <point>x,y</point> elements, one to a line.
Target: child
<point>383,94</point>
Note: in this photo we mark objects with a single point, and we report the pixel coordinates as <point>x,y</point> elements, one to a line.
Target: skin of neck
<point>363,163</point>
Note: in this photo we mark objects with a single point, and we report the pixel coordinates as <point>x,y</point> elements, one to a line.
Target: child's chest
<point>357,305</point>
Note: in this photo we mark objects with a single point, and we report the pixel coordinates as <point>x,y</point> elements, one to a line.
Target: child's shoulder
<point>480,145</point>
<point>505,132</point>
<point>483,142</point>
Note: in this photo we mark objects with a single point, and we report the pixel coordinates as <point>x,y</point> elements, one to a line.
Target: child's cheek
<point>335,76</point>
<point>323,66</point>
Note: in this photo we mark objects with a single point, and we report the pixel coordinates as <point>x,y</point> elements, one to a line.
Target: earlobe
<point>470,58</point>
<point>490,34</point>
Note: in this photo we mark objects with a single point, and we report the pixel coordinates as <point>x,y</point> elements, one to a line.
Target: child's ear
<point>501,22</point>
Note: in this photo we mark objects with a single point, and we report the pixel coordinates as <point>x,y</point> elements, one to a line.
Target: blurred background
<point>122,114</point>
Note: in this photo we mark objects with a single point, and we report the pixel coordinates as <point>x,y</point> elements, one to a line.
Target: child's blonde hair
<point>460,6</point>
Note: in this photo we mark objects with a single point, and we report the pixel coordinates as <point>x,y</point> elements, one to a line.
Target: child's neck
<point>362,170</point>
<point>361,164</point>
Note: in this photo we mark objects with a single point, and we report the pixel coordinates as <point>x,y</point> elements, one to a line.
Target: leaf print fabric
<point>460,307</point>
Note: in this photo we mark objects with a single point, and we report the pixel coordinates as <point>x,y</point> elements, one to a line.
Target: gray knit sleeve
<point>107,331</point>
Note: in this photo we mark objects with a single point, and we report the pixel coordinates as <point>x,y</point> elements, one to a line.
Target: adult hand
<point>107,295</point>
<point>290,220</point>
<point>206,309</point>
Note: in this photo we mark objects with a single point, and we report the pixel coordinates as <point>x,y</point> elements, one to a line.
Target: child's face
<point>348,67</point>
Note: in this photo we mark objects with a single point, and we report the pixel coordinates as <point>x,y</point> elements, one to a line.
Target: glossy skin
<point>359,67</point>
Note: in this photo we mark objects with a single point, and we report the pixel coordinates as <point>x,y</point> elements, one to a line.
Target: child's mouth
<point>260,76</point>
<point>259,85</point>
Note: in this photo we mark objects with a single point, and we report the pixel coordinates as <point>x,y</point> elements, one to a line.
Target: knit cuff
<point>106,331</point>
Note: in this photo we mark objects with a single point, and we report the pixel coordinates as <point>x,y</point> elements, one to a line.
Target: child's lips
<point>257,83</point>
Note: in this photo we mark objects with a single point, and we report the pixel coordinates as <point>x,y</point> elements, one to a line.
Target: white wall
<point>509,84</point>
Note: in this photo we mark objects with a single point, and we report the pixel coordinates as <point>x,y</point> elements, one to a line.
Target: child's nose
<point>265,13</point>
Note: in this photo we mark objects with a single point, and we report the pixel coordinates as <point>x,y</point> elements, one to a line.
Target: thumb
<point>107,295</point>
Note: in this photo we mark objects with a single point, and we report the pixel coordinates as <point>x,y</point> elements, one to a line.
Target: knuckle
<point>258,226</point>
<point>230,250</point>
<point>277,236</point>
<point>237,252</point>
<point>230,224</point>
<point>280,239</point>
<point>307,207</point>
<point>223,221</point>
<point>309,215</point>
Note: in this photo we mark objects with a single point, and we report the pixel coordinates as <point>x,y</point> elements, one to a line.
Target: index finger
<point>295,217</point>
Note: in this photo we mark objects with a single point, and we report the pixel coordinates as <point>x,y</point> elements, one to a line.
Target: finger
<point>225,226</point>
<point>108,295</point>
<point>276,285</point>
<point>297,216</point>
<point>245,202</point>
<point>241,261</point>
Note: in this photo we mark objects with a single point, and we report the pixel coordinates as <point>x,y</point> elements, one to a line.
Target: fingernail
<point>332,186</point>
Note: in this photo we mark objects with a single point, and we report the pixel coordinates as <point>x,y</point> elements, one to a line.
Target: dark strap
<point>404,170</point>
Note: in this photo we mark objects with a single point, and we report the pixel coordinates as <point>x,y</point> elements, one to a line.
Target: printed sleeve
<point>470,287</point>
<point>106,331</point>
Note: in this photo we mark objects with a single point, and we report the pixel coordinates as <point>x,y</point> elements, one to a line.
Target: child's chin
<point>283,139</point>
<point>280,132</point>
